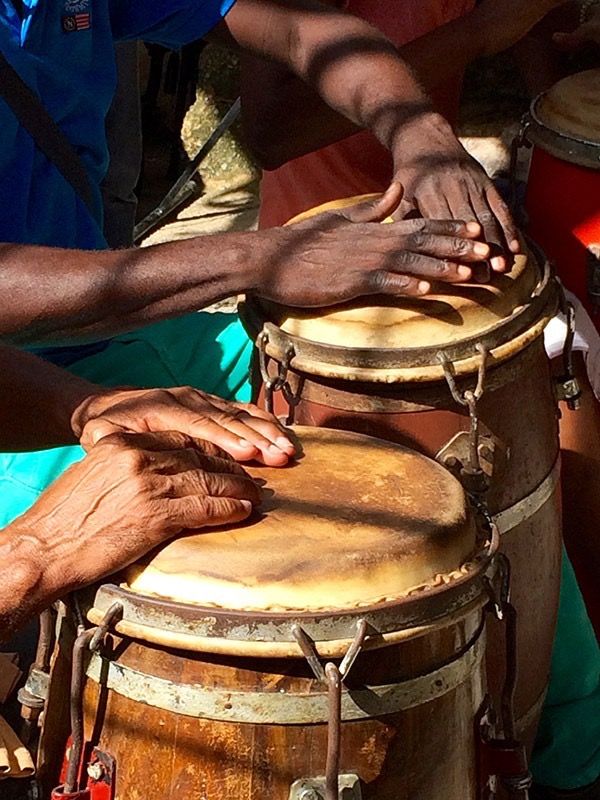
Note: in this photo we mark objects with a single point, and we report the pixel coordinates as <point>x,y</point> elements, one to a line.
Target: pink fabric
<point>358,164</point>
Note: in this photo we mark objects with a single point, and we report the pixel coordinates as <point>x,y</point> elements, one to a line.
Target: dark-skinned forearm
<point>83,295</point>
<point>23,589</point>
<point>355,69</point>
<point>271,96</point>
<point>37,402</point>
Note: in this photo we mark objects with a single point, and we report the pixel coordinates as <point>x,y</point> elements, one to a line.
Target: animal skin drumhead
<point>352,522</point>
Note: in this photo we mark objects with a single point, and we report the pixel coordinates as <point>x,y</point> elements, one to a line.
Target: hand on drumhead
<point>242,430</point>
<point>442,181</point>
<point>129,494</point>
<point>340,255</point>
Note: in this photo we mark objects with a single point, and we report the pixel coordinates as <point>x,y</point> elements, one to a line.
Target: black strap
<point>29,110</point>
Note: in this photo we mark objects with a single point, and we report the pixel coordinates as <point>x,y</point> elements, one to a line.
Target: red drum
<point>563,209</point>
<point>563,191</point>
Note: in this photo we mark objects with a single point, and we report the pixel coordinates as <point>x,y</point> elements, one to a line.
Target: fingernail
<point>246,444</point>
<point>515,246</point>
<point>284,443</point>
<point>481,249</point>
<point>498,264</point>
<point>473,227</point>
<point>247,505</point>
<point>423,287</point>
<point>464,272</point>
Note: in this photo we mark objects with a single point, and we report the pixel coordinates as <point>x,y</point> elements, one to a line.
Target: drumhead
<point>572,106</point>
<point>354,522</point>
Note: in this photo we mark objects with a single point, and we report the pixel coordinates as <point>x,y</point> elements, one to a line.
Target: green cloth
<point>212,352</point>
<point>567,748</point>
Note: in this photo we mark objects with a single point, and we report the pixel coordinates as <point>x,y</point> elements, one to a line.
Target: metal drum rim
<point>224,630</point>
<point>331,361</point>
<point>565,147</point>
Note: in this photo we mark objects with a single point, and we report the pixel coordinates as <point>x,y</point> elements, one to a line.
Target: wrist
<point>429,132</point>
<point>26,555</point>
<point>43,561</point>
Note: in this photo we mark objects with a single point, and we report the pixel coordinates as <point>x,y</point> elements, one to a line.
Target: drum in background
<point>462,376</point>
<point>563,208</point>
<point>563,190</point>
<point>338,632</point>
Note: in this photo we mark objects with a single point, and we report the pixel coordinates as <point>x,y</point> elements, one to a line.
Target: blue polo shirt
<point>63,49</point>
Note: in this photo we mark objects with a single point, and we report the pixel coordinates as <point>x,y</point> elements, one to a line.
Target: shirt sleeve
<point>171,23</point>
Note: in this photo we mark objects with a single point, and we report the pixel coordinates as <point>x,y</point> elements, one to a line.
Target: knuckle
<point>407,259</point>
<point>460,247</point>
<point>418,240</point>
<point>378,281</point>
<point>133,459</point>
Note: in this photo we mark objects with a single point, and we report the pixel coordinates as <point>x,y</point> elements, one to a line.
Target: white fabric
<point>587,340</point>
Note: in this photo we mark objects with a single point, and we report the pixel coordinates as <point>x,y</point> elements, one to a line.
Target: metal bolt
<point>95,771</point>
<point>309,794</point>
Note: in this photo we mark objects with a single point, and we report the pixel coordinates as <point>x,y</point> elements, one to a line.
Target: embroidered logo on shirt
<point>76,16</point>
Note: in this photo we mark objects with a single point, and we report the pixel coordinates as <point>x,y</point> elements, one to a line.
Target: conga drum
<point>461,376</point>
<point>562,203</point>
<point>330,647</point>
<point>563,188</point>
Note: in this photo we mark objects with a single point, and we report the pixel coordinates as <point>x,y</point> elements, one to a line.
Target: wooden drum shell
<point>423,752</point>
<point>519,410</point>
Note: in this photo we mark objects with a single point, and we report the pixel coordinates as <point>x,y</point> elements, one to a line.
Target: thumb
<point>377,209</point>
<point>97,429</point>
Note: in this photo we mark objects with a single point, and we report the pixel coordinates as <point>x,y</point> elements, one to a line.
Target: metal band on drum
<point>271,634</point>
<point>285,708</point>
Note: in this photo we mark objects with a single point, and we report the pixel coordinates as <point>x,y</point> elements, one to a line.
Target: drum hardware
<point>502,759</point>
<point>593,275</point>
<point>567,385</point>
<point>518,142</point>
<point>32,696</point>
<point>332,676</point>
<point>278,382</point>
<point>99,766</point>
<point>314,788</point>
<point>470,470</point>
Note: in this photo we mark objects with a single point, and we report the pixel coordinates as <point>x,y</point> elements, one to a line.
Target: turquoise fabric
<point>208,351</point>
<point>567,749</point>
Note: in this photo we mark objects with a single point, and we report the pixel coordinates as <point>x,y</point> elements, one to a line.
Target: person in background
<point>315,157</point>
<point>124,141</point>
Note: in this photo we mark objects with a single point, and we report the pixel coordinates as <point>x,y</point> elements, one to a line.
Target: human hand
<point>442,181</point>
<point>587,33</point>
<point>131,493</point>
<point>343,254</point>
<point>242,430</point>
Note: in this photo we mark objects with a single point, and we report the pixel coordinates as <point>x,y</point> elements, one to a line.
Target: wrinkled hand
<point>499,24</point>
<point>129,494</point>
<point>344,254</point>
<point>587,33</point>
<point>242,430</point>
<point>441,181</point>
